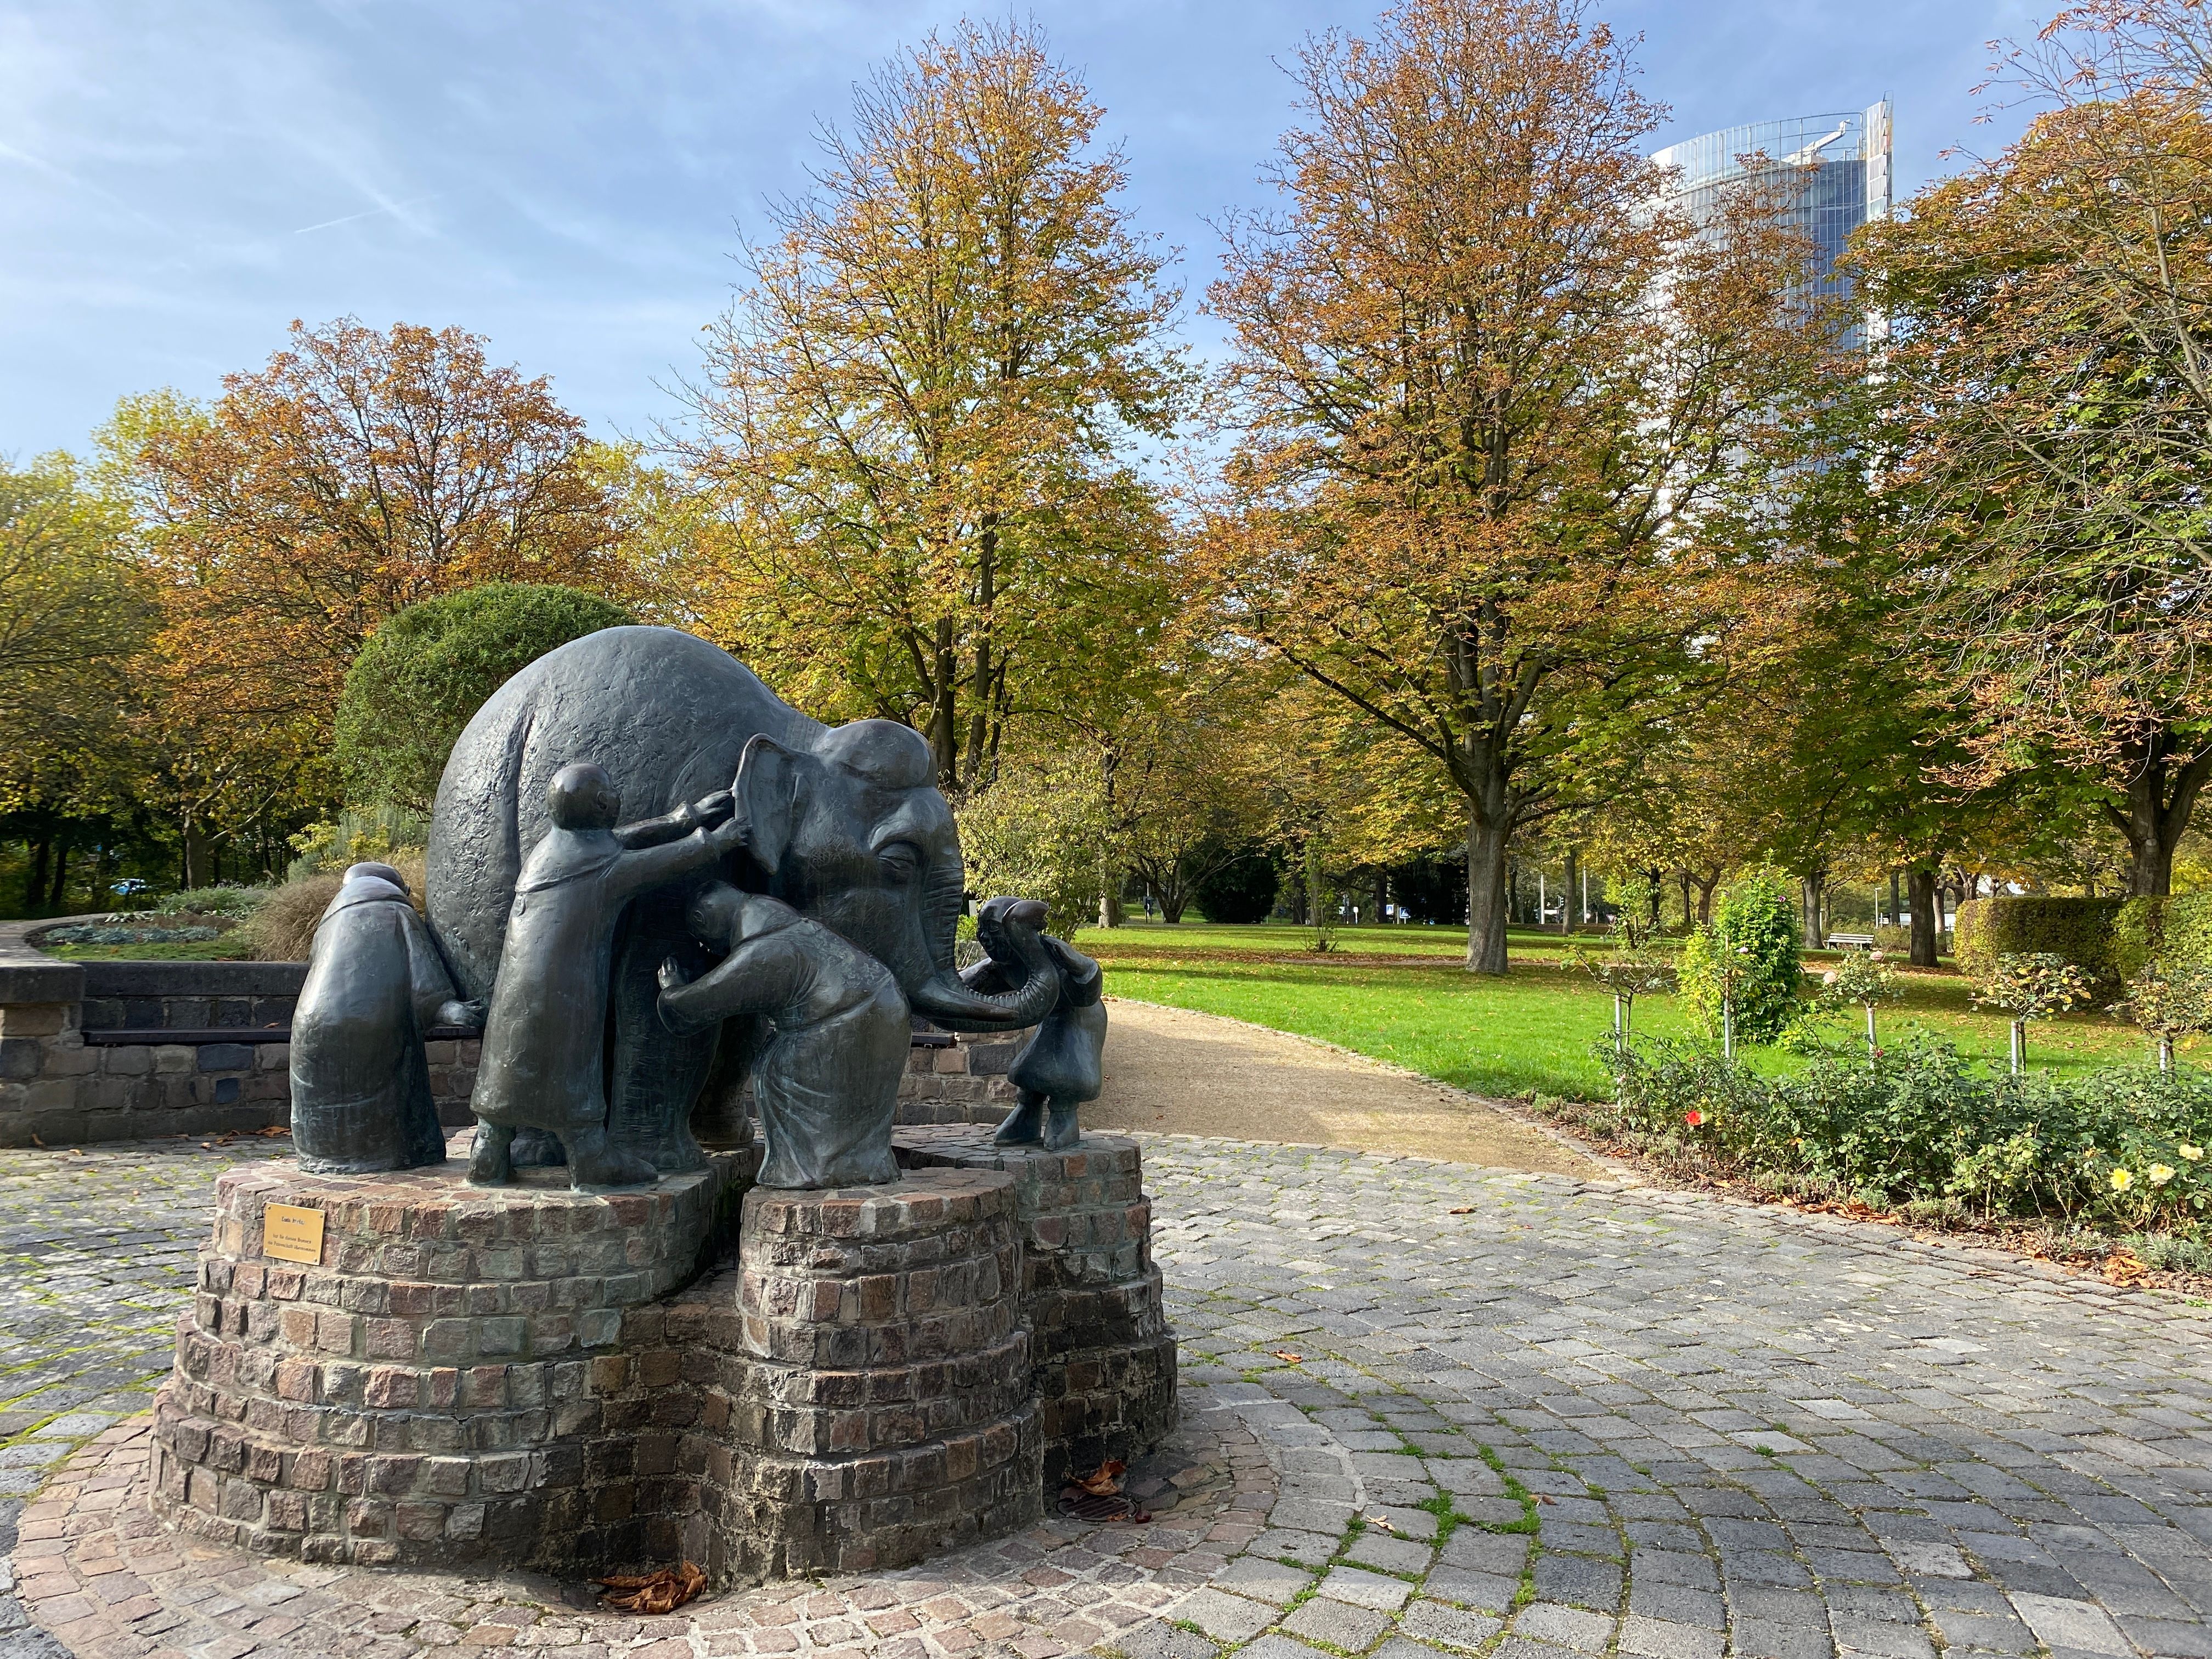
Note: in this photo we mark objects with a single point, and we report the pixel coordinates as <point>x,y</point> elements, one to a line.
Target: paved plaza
<point>1429,1408</point>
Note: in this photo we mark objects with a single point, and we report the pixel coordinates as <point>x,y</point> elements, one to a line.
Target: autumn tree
<point>916,416</point>
<point>75,621</point>
<point>359,472</point>
<point>2053,360</point>
<point>1490,385</point>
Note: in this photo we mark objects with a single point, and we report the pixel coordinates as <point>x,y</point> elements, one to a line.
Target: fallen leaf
<point>1464,1209</point>
<point>1546,1498</point>
<point>274,1132</point>
<point>1378,1520</point>
<point>1290,1358</point>
<point>654,1592</point>
<point>1104,1481</point>
<point>2124,1269</point>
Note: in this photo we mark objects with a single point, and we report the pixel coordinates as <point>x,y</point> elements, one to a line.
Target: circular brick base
<point>425,1390</point>
<point>101,1575</point>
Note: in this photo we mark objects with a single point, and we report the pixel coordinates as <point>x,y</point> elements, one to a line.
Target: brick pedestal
<point>876,1408</point>
<point>422,1394</point>
<point>1103,1360</point>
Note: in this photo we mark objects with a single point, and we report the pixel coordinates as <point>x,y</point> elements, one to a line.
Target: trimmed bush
<point>1240,890</point>
<point>2033,924</point>
<point>429,668</point>
<point>1753,936</point>
<point>2173,932</point>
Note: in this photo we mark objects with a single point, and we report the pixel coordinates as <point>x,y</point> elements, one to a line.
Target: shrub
<point>429,667</point>
<point>2078,929</point>
<point>1897,941</point>
<point>1919,1124</point>
<point>1240,890</point>
<point>283,928</point>
<point>2168,933</point>
<point>1748,955</point>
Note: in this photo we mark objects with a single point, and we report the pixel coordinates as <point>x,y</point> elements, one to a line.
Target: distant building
<point>1835,168</point>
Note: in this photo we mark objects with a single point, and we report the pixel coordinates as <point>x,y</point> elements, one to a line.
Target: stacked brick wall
<point>520,1377</point>
<point>963,1083</point>
<point>1103,1358</point>
<point>424,1393</point>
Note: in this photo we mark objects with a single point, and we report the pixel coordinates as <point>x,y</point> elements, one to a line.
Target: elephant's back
<point>666,713</point>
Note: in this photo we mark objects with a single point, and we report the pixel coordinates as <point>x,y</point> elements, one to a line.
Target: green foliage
<point>1039,831</point>
<point>1748,955</point>
<point>380,833</point>
<point>2080,930</point>
<point>1921,1123</point>
<point>2032,985</point>
<point>429,667</point>
<point>1240,890</point>
<point>2168,932</point>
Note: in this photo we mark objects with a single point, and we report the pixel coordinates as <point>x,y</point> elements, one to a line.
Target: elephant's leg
<point>722,1118</point>
<point>654,1075</point>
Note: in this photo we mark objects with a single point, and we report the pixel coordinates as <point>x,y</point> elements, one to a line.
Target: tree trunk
<point>58,897</point>
<point>196,853</point>
<point>1569,895</point>
<point>1920,884</point>
<point>1896,906</point>
<point>1381,894</point>
<point>1486,895</point>
<point>1688,920</point>
<point>2160,798</point>
<point>944,715</point>
<point>35,883</point>
<point>1706,888</point>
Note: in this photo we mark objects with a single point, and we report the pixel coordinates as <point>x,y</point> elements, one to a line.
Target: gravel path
<point>1168,1071</point>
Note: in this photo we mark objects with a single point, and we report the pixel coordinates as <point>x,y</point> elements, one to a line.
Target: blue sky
<point>178,182</point>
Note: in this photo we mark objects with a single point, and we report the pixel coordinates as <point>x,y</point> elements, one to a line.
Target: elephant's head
<point>855,834</point>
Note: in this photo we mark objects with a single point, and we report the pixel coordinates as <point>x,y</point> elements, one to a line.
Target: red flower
<point>1694,1118</point>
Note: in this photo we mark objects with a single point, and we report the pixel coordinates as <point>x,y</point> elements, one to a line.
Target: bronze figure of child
<point>827,1085</point>
<point>545,1035</point>
<point>1059,1067</point>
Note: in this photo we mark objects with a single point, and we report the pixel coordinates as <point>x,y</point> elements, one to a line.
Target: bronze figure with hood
<point>845,824</point>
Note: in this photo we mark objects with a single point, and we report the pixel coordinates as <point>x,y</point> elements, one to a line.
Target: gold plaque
<point>291,1233</point>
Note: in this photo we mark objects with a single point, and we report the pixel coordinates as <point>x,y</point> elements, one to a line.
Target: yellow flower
<point>2121,1181</point>
<point>2192,1153</point>
<point>2160,1174</point>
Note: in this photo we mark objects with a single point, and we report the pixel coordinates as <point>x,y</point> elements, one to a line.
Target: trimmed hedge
<point>2078,929</point>
<point>2173,931</point>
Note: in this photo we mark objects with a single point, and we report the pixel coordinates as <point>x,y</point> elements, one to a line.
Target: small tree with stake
<point>1863,978</point>
<point>1630,969</point>
<point>2170,1003</point>
<point>2031,985</point>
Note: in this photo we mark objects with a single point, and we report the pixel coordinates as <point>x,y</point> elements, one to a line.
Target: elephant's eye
<point>902,860</point>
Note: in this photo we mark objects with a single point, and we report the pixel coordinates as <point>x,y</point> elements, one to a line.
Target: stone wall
<point>79,1061</point>
<point>965,1082</point>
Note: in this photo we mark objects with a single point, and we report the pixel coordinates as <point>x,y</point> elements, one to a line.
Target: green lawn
<point>1397,994</point>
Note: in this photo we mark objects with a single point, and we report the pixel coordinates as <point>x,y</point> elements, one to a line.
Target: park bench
<point>1851,941</point>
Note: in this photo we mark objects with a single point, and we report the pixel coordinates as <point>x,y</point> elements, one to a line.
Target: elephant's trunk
<point>945,1002</point>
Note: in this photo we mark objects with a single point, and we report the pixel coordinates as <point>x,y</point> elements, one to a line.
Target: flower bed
<point>1919,1128</point>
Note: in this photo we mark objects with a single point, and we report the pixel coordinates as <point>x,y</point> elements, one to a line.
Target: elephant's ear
<point>767,789</point>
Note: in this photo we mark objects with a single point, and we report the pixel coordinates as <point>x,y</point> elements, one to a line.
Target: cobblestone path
<point>1569,1420</point>
<point>1584,1419</point>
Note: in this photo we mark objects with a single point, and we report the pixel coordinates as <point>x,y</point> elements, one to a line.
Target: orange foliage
<point>356,473</point>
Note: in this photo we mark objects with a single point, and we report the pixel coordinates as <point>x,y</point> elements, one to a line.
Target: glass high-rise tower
<point>1834,168</point>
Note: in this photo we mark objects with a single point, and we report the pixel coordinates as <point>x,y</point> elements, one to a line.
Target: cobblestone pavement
<point>1517,1415</point>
